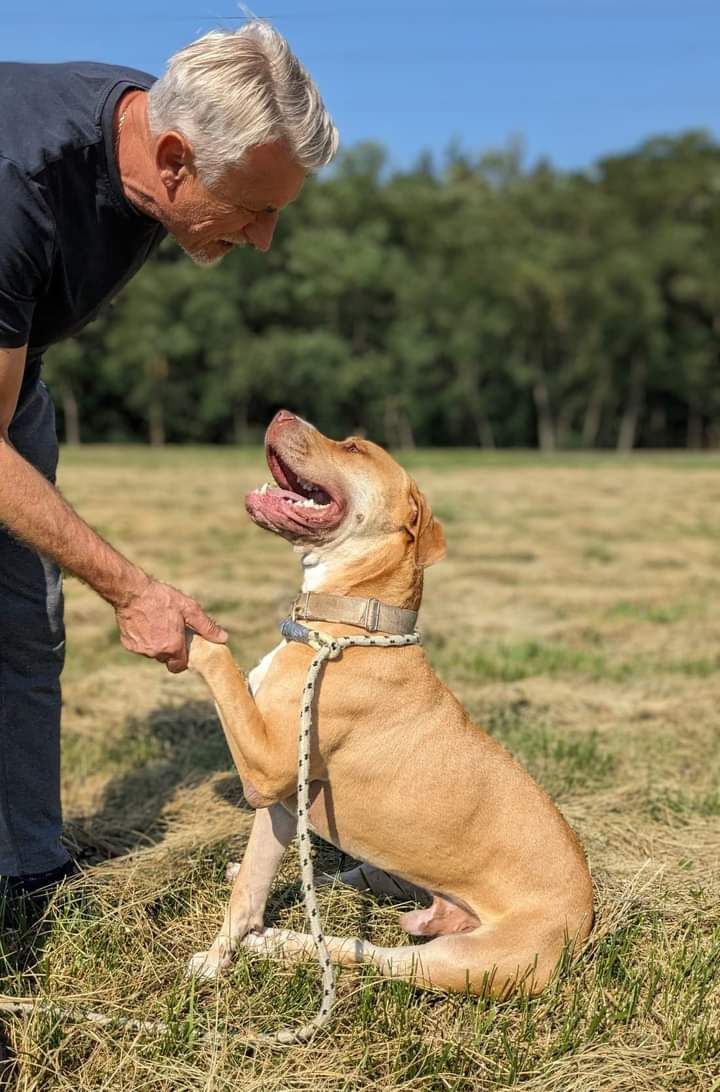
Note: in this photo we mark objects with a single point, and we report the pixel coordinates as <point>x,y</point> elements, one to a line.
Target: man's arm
<point>151,616</point>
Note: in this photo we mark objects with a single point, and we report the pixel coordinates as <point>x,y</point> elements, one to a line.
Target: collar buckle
<point>372,615</point>
<point>300,607</point>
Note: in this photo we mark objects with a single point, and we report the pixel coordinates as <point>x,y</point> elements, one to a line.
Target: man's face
<point>241,209</point>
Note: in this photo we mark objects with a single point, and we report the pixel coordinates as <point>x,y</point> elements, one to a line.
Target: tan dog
<point>400,777</point>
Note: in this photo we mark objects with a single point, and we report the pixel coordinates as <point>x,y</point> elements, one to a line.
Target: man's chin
<point>203,257</point>
<point>208,256</point>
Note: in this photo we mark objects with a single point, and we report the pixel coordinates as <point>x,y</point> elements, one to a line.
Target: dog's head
<point>329,493</point>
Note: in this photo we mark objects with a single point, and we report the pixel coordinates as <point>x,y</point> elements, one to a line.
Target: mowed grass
<point>576,616</point>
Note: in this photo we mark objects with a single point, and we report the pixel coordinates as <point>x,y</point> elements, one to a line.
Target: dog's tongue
<point>278,507</point>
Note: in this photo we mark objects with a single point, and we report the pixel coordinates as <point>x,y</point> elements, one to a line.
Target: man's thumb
<point>203,624</point>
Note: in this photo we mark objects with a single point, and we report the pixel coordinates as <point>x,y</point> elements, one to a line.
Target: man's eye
<point>269,211</point>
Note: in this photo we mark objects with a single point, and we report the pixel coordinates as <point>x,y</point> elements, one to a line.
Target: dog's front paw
<point>197,650</point>
<point>207,964</point>
<point>202,654</point>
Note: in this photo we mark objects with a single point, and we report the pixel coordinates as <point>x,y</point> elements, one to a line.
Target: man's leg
<point>32,647</point>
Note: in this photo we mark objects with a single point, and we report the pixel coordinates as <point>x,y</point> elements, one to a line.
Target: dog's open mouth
<point>293,504</point>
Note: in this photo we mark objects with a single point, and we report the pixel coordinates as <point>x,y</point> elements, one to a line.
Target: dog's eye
<point>352,447</point>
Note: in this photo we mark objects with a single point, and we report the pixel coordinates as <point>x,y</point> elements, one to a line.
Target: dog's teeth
<point>263,488</point>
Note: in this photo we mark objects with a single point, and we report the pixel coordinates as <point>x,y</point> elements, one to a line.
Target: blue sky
<point>574,79</point>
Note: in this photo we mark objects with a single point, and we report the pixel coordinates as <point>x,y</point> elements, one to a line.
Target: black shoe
<point>23,902</point>
<point>40,884</point>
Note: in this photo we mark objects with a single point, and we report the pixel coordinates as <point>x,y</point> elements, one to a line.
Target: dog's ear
<point>425,530</point>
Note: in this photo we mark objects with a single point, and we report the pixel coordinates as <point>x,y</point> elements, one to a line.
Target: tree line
<point>476,302</point>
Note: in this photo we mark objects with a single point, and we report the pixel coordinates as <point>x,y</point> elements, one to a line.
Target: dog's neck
<point>383,569</point>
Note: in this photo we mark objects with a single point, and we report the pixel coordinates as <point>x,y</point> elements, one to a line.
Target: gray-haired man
<point>97,163</point>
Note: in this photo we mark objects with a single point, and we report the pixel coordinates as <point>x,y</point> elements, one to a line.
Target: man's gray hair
<point>232,90</point>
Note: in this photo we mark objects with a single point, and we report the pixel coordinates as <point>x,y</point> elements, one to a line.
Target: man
<point>97,163</point>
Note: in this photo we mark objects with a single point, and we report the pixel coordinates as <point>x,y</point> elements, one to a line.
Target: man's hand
<point>153,623</point>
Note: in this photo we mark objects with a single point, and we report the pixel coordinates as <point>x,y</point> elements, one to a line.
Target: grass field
<point>578,617</point>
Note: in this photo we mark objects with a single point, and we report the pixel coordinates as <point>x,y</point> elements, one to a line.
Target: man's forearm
<point>35,512</point>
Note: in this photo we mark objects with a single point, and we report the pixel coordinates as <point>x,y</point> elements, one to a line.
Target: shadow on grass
<point>174,747</point>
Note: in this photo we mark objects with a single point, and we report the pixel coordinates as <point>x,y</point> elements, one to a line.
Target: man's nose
<point>261,231</point>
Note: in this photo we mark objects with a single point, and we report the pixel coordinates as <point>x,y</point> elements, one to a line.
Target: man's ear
<point>174,159</point>
<point>425,530</point>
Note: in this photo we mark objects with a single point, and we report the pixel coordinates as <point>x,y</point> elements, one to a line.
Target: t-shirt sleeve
<point>27,234</point>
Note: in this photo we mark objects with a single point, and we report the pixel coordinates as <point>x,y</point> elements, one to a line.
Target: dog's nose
<point>283,416</point>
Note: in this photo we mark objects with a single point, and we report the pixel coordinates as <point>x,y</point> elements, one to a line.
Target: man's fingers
<point>160,624</point>
<point>203,624</point>
<point>176,659</point>
<point>176,666</point>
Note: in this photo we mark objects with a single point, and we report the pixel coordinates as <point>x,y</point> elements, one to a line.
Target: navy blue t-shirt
<point>69,238</point>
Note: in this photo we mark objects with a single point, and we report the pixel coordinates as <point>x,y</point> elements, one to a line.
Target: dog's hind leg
<point>272,831</point>
<point>520,950</point>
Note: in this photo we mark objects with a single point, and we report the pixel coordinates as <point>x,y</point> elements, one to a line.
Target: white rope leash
<point>18,1006</point>
<point>327,648</point>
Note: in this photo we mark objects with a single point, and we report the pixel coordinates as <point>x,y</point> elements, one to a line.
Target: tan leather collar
<point>370,614</point>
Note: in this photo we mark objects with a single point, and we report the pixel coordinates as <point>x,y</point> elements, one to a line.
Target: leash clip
<point>294,631</point>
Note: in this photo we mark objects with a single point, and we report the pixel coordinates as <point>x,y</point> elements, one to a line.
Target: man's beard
<point>203,258</point>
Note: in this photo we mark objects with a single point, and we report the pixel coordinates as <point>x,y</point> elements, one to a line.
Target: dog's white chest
<point>258,673</point>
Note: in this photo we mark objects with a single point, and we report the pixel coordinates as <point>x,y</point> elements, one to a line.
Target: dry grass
<point>575,615</point>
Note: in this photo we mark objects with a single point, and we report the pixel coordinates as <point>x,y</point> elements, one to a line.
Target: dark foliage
<point>481,304</point>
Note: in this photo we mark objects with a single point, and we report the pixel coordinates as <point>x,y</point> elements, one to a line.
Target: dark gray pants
<point>32,649</point>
